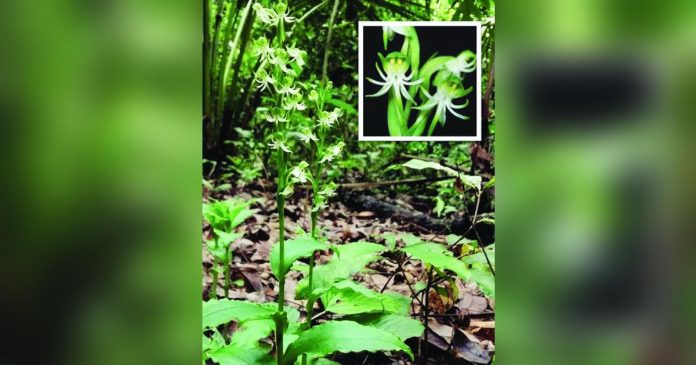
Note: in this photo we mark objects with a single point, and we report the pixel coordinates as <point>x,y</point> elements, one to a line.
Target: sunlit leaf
<point>343,336</point>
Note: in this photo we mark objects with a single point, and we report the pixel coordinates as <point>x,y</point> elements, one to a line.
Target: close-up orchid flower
<point>394,77</point>
<point>443,99</point>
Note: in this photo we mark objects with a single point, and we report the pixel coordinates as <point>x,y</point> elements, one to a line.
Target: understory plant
<point>406,82</point>
<point>369,320</point>
<point>223,217</point>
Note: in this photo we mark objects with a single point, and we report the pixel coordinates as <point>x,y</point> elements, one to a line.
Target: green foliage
<point>398,325</point>
<point>439,257</point>
<point>300,247</point>
<point>347,261</point>
<point>238,355</point>
<point>220,311</point>
<point>343,336</point>
<point>347,297</point>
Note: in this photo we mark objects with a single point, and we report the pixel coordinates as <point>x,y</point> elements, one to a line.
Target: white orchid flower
<point>306,136</point>
<point>394,77</point>
<point>447,91</point>
<point>264,79</point>
<point>286,87</point>
<point>294,102</point>
<point>281,59</point>
<point>464,63</point>
<point>332,152</point>
<point>299,173</point>
<point>267,16</point>
<point>327,119</point>
<point>275,145</point>
<point>281,10</point>
<point>264,49</point>
<point>272,16</point>
<point>276,117</point>
<point>297,55</point>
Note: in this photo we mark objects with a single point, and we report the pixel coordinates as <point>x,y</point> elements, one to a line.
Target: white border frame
<point>361,24</point>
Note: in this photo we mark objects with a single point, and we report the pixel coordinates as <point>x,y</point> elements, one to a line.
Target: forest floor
<point>461,320</point>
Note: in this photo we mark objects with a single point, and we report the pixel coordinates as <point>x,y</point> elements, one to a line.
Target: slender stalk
<point>327,48</point>
<point>212,294</point>
<point>433,123</point>
<point>281,242</point>
<point>227,274</point>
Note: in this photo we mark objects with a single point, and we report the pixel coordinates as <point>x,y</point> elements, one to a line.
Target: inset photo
<point>419,81</point>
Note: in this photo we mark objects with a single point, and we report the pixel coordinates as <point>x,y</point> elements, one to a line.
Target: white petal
<point>413,82</point>
<point>455,106</point>
<point>381,83</point>
<point>381,92</point>
<point>380,72</point>
<point>427,106</point>
<point>456,114</point>
<point>406,94</point>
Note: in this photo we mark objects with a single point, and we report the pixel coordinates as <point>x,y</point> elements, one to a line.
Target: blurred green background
<point>101,105</point>
<point>102,151</point>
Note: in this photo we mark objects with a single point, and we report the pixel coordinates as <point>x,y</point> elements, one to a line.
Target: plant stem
<point>327,48</point>
<point>281,242</point>
<point>227,273</point>
<point>212,294</point>
<point>433,123</point>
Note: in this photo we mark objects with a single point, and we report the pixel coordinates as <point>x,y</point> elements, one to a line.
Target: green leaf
<point>343,336</point>
<point>390,240</point>
<point>300,247</point>
<point>323,361</point>
<point>219,311</point>
<point>226,215</point>
<point>439,206</point>
<point>479,258</point>
<point>437,256</point>
<point>349,109</point>
<point>409,239</point>
<point>236,355</point>
<point>348,260</point>
<point>348,297</point>
<point>226,238</point>
<point>401,326</point>
<point>250,332</point>
<point>468,180</point>
<point>421,165</point>
<point>485,281</point>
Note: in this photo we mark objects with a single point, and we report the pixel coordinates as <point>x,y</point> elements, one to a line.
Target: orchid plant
<point>402,78</point>
<point>297,115</point>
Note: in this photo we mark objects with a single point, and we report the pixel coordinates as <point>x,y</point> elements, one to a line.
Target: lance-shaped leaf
<point>343,336</point>
<point>219,311</point>
<point>347,297</point>
<point>238,355</point>
<point>399,325</point>
<point>303,246</point>
<point>348,259</point>
<point>437,256</point>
